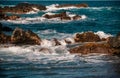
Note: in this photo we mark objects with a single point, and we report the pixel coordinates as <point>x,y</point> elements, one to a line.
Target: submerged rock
<point>86,37</point>
<point>20,36</point>
<point>72,5</point>
<point>23,8</point>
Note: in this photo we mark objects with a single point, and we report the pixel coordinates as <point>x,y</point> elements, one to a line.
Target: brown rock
<point>114,41</point>
<point>20,36</point>
<point>4,38</point>
<point>76,17</point>
<point>87,37</point>
<point>3,16</point>
<point>62,14</point>
<point>94,48</point>
<point>72,5</point>
<point>22,8</point>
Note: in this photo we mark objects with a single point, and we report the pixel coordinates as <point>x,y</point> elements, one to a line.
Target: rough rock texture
<point>5,17</point>
<point>115,41</point>
<point>22,8</point>
<point>20,36</point>
<point>87,37</point>
<point>93,48</point>
<point>111,47</point>
<point>72,5</point>
<point>4,39</point>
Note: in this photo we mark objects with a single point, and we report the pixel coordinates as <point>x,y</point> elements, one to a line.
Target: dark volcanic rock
<point>87,37</point>
<point>72,5</point>
<point>23,8</point>
<point>20,36</point>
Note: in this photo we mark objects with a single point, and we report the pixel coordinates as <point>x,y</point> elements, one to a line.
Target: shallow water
<point>103,18</point>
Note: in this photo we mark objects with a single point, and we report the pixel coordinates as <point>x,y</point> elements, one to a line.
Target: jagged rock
<point>72,5</point>
<point>23,8</point>
<point>87,37</point>
<point>114,41</point>
<point>20,36</point>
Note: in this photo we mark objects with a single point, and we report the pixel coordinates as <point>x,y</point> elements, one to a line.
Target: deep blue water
<point>23,62</point>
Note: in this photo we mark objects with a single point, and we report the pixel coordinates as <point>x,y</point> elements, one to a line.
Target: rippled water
<point>103,18</point>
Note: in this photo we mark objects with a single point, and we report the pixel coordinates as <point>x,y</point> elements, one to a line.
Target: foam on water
<point>101,34</point>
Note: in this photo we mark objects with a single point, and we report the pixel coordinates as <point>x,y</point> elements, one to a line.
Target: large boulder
<point>86,37</point>
<point>72,5</point>
<point>115,41</point>
<point>95,48</point>
<point>20,36</point>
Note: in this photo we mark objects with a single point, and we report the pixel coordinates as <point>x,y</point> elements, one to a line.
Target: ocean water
<point>101,17</point>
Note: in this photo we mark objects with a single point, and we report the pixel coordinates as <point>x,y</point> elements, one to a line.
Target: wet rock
<point>12,17</point>
<point>3,16</point>
<point>86,37</point>
<point>72,5</point>
<point>23,8</point>
<point>56,42</point>
<point>76,17</point>
<point>115,41</point>
<point>62,14</point>
<point>20,36</point>
<point>95,48</point>
<point>4,39</point>
<point>65,18</point>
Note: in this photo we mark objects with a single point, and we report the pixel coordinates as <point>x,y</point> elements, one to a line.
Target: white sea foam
<point>54,8</point>
<point>101,34</point>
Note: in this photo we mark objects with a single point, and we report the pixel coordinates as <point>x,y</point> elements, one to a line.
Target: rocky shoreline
<point>91,43</point>
<point>23,8</point>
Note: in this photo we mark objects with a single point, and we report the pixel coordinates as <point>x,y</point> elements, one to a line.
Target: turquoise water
<point>102,18</point>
